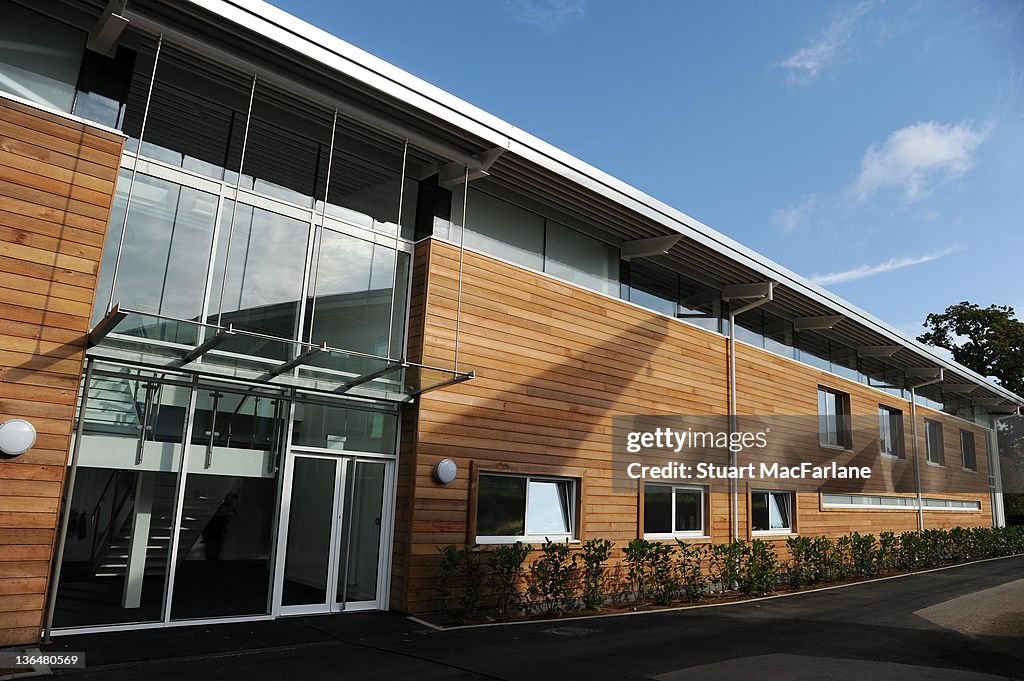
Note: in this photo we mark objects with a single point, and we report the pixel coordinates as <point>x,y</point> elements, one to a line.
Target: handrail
<point>107,532</point>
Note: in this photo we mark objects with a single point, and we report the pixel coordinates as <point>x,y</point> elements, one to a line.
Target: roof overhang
<point>622,211</point>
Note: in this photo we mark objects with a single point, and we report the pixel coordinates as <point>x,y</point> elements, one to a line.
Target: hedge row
<point>500,584</point>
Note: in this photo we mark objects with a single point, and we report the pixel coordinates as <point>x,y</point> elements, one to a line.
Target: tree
<point>990,341</point>
<point>987,340</point>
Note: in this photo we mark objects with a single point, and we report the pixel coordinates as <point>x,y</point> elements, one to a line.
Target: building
<point>234,245</point>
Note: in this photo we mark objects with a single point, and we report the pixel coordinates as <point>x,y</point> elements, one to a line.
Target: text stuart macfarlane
<point>706,471</point>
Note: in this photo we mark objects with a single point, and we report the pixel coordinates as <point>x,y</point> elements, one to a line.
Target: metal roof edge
<point>336,54</point>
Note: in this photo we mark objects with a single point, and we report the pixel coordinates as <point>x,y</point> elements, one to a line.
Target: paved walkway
<point>960,623</point>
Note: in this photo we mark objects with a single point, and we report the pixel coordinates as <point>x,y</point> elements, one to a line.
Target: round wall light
<point>445,470</point>
<point>17,436</point>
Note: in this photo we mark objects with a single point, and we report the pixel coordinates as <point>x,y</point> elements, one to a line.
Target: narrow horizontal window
<point>891,502</point>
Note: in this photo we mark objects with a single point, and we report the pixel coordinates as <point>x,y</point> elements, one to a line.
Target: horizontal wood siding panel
<point>56,190</point>
<point>555,363</point>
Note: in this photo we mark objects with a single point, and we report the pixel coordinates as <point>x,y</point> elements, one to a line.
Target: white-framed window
<point>771,512</point>
<point>674,511</point>
<point>874,502</point>
<point>933,442</point>
<point>968,457</point>
<point>833,418</point>
<point>890,431</point>
<point>525,507</point>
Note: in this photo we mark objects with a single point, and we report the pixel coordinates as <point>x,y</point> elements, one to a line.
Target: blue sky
<point>875,147</point>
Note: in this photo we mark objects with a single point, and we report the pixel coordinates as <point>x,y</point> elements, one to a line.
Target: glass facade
<point>40,57</point>
<point>289,224</point>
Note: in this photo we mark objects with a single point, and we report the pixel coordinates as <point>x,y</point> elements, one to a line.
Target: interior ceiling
<point>606,218</point>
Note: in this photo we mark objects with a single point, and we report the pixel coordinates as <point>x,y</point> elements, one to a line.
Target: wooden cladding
<point>57,179</point>
<point>554,364</point>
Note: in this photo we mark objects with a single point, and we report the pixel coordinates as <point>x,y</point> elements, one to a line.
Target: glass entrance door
<point>333,530</point>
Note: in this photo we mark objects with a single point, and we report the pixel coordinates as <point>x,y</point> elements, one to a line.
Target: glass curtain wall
<point>275,215</point>
<point>225,539</point>
<point>133,556</point>
<point>117,548</point>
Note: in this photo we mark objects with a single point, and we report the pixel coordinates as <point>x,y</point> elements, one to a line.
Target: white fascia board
<point>342,57</point>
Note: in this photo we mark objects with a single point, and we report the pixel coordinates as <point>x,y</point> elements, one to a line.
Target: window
<point>581,259</point>
<point>771,512</point>
<point>671,293</point>
<point>833,418</point>
<point>511,507</point>
<point>500,228</point>
<point>890,431</point>
<point>39,57</point>
<point>870,502</point>
<point>673,511</point>
<point>933,442</point>
<point>967,454</point>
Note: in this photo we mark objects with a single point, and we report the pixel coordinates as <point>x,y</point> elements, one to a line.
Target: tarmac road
<point>964,623</point>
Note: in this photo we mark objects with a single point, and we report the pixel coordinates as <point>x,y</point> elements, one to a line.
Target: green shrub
<point>506,563</point>
<point>888,551</point>
<point>637,554</point>
<point>800,570</point>
<point>864,554</point>
<point>665,585</point>
<point>725,562</point>
<point>692,575</point>
<point>550,579</point>
<point>760,571</point>
<point>594,579</point>
<point>459,583</point>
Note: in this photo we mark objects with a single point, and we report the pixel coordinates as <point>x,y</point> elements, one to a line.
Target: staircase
<point>199,509</point>
<point>113,406</point>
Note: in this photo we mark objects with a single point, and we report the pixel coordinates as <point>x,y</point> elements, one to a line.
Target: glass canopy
<point>162,342</point>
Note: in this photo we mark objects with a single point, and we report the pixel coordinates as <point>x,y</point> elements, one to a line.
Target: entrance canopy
<point>160,342</point>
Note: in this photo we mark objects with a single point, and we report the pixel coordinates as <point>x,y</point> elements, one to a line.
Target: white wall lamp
<point>445,470</point>
<point>17,436</point>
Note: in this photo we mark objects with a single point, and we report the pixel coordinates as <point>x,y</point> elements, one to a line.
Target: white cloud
<point>792,218</point>
<point>546,14</point>
<point>826,49</point>
<point>864,271</point>
<point>918,154</point>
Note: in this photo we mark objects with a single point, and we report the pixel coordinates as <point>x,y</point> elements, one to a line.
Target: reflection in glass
<point>548,503</point>
<point>165,253</point>
<point>344,429</point>
<point>103,86</point>
<point>657,509</point>
<point>501,506</point>
<point>264,271</point>
<point>361,532</point>
<point>119,522</point>
<point>39,57</point>
<point>581,259</point>
<point>653,287</point>
<point>352,307</point>
<point>281,161</point>
<point>196,118</point>
<point>688,511</point>
<point>778,336</point>
<point>310,527</point>
<point>770,511</point>
<point>225,538</point>
<point>500,228</point>
<point>366,183</point>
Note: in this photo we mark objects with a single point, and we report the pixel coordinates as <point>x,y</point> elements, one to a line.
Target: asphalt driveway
<point>960,623</point>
